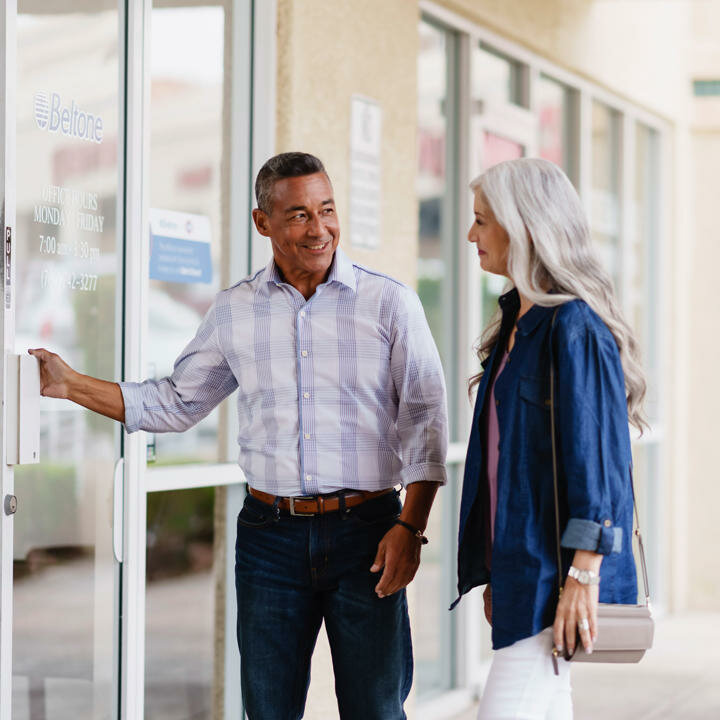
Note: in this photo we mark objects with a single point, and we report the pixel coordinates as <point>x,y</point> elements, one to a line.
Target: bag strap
<point>641,547</point>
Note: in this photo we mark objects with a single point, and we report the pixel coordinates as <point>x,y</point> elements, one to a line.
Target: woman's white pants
<point>522,684</point>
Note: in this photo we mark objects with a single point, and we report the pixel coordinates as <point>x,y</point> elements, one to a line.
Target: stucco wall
<point>328,51</point>
<point>704,353</point>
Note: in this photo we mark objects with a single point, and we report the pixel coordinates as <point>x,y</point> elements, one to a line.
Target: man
<point>340,398</point>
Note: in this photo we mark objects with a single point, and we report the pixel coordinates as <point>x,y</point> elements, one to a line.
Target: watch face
<point>584,577</point>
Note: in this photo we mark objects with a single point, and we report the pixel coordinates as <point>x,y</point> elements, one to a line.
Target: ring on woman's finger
<point>583,624</point>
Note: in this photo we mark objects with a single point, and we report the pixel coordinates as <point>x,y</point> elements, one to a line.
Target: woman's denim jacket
<point>594,470</point>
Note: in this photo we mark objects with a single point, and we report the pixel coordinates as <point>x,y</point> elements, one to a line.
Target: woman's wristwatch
<point>584,577</point>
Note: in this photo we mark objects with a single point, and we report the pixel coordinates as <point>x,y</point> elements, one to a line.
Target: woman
<point>530,227</point>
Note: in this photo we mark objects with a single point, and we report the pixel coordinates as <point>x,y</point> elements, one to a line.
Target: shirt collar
<point>510,304</point>
<point>341,271</point>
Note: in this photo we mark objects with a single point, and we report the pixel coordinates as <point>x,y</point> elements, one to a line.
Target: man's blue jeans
<point>291,573</point>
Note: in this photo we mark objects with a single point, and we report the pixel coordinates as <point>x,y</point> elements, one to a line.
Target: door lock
<point>10,504</point>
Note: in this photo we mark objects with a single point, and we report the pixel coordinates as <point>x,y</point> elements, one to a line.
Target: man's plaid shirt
<point>344,390</point>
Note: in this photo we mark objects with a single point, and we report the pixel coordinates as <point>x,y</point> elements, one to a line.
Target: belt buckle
<point>298,514</point>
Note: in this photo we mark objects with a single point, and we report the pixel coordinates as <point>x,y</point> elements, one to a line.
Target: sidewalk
<point>679,679</point>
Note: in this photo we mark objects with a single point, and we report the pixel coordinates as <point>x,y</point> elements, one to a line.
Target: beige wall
<point>328,51</point>
<point>704,379</point>
<point>703,468</point>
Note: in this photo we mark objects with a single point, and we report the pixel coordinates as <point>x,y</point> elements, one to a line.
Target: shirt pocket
<point>535,417</point>
<point>533,390</point>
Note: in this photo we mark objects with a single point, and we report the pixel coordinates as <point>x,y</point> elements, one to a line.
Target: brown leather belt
<point>318,504</point>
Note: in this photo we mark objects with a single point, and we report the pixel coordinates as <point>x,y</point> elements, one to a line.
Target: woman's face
<point>489,238</point>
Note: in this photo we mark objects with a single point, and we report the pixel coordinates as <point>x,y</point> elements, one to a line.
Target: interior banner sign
<point>180,247</point>
<point>365,172</point>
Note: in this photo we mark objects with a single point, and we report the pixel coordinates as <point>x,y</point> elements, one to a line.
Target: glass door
<point>193,484</point>
<point>68,280</point>
<point>119,242</point>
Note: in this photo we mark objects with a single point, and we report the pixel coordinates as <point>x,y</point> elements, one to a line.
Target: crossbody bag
<point>624,632</point>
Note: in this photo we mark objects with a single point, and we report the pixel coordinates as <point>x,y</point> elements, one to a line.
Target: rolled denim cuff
<point>601,538</point>
<point>132,397</point>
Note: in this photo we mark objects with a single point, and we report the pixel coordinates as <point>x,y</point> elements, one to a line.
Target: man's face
<point>302,225</point>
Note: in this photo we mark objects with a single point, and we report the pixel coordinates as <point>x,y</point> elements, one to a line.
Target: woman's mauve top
<point>594,466</point>
<point>492,443</point>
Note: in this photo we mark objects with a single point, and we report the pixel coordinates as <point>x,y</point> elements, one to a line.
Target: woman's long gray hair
<point>550,248</point>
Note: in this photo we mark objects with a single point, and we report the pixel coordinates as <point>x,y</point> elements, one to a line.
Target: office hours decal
<point>68,220</point>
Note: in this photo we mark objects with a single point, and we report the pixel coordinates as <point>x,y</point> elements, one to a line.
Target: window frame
<point>471,669</point>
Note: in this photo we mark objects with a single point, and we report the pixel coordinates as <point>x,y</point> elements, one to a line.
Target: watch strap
<point>415,531</point>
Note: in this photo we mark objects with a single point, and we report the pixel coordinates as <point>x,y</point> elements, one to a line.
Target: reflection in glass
<point>437,249</point>
<point>180,605</point>
<point>430,579</point>
<point>496,78</point>
<point>432,181</point>
<point>645,257</point>
<point>496,149</point>
<point>67,259</point>
<point>186,136</point>
<point>605,214</point>
<point>556,122</point>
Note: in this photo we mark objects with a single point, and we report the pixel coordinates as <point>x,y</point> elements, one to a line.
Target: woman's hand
<point>577,609</point>
<point>487,599</point>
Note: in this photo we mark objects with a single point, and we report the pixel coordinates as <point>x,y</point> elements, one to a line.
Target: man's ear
<point>262,222</point>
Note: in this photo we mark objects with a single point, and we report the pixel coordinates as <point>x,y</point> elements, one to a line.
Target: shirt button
<point>306,395</point>
<point>497,403</point>
<point>302,313</point>
<point>308,478</point>
<point>607,523</point>
<point>307,436</point>
<point>304,353</point>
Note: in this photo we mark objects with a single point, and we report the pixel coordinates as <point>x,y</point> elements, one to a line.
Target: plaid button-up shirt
<point>344,390</point>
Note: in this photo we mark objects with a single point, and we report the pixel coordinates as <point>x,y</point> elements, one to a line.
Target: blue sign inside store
<point>180,247</point>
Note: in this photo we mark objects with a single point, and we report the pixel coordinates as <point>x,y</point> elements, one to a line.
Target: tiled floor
<point>678,680</point>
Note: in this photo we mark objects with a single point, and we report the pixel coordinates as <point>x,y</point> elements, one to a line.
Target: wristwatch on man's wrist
<point>584,577</point>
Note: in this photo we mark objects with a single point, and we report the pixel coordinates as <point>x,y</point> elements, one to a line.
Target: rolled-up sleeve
<point>417,375</point>
<point>201,379</point>
<point>593,438</point>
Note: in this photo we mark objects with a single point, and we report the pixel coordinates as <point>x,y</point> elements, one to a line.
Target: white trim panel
<point>184,477</point>
<point>8,79</point>
<point>136,281</point>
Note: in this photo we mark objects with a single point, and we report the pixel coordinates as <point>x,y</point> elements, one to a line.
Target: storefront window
<point>497,79</point>
<point>432,181</point>
<point>646,253</point>
<point>557,124</point>
<point>180,605</point>
<point>605,215</point>
<point>438,243</point>
<point>187,262</point>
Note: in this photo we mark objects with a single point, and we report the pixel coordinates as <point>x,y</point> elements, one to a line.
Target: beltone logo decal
<point>53,115</point>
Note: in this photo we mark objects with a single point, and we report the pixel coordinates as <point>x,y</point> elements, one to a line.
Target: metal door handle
<point>118,510</point>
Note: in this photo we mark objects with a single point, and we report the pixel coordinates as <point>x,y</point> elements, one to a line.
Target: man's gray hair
<point>279,167</point>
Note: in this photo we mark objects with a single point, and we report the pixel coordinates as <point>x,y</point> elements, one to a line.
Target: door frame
<point>253,37</point>
<point>253,134</point>
<point>8,54</point>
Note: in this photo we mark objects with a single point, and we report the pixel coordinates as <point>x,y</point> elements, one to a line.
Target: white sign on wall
<point>365,170</point>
